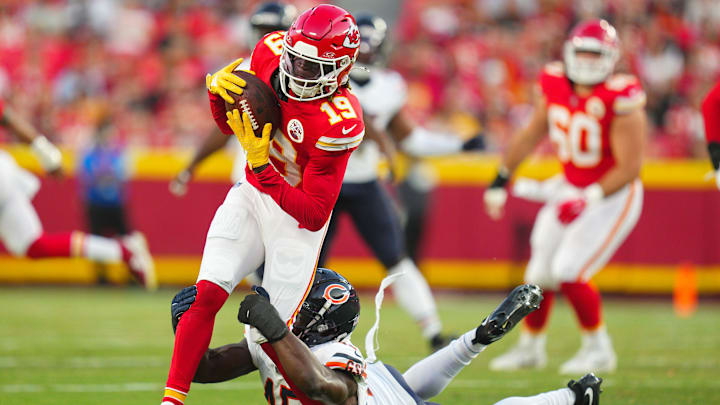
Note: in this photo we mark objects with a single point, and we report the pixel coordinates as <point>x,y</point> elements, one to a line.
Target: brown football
<point>258,100</point>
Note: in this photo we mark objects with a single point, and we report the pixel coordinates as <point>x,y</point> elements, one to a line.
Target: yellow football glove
<point>224,80</point>
<point>258,149</point>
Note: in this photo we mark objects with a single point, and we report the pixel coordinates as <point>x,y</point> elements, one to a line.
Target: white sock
<point>100,249</point>
<point>563,396</point>
<point>413,293</point>
<point>535,340</point>
<point>431,375</point>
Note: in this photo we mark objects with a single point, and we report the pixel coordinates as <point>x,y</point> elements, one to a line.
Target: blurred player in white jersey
<point>20,229</point>
<point>317,362</point>
<point>268,17</point>
<point>597,121</point>
<point>382,94</point>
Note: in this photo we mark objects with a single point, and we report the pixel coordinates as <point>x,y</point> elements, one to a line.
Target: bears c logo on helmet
<point>352,40</point>
<point>336,293</point>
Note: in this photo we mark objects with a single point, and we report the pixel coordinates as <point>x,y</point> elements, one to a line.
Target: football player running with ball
<point>279,215</point>
<point>597,121</point>
<point>318,364</point>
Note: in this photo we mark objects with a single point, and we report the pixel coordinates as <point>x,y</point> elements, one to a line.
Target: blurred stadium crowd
<point>73,66</point>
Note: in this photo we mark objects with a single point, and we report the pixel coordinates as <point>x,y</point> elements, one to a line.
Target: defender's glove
<point>496,196</point>
<point>518,304</point>
<point>257,311</point>
<point>48,154</point>
<point>224,80</point>
<point>258,149</point>
<point>181,303</point>
<point>179,185</point>
<point>570,209</point>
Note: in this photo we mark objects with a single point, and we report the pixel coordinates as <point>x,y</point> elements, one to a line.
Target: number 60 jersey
<point>580,126</point>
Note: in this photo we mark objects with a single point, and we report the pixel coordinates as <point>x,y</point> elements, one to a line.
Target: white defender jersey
<point>335,355</point>
<point>381,99</point>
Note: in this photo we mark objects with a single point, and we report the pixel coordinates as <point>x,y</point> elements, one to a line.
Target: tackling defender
<point>21,231</point>
<point>279,215</point>
<point>317,363</point>
<point>597,121</point>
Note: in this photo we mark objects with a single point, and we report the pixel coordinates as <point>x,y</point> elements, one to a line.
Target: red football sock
<point>193,338</point>
<point>536,321</point>
<point>64,244</point>
<point>585,300</point>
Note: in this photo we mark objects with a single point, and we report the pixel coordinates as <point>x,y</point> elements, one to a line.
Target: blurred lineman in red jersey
<point>280,213</point>
<point>22,233</point>
<point>711,116</point>
<point>596,120</point>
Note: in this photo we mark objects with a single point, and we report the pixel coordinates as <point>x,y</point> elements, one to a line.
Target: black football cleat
<point>516,306</point>
<point>587,389</point>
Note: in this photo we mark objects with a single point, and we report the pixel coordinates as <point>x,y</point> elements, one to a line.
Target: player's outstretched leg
<point>596,352</point>
<point>585,391</point>
<point>132,250</point>
<point>430,376</point>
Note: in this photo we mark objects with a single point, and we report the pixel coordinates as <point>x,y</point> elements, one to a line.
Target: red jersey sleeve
<point>310,206</point>
<point>2,106</point>
<point>217,107</point>
<point>711,114</point>
<point>322,178</point>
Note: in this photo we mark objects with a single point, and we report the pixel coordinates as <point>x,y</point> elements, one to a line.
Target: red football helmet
<point>595,37</point>
<point>319,51</point>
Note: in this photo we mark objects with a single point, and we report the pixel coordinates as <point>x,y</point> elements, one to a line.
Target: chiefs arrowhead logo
<point>352,40</point>
<point>336,293</point>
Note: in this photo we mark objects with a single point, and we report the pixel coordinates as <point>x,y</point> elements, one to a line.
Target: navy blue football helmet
<point>330,312</point>
<point>373,46</point>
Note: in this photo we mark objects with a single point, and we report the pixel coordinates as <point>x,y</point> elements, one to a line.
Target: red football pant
<point>66,244</point>
<point>535,322</point>
<point>585,300</point>
<point>193,335</point>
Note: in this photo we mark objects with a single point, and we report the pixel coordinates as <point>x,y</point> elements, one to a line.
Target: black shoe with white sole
<point>587,389</point>
<point>516,306</point>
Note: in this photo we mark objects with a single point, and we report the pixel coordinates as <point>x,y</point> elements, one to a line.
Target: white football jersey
<point>335,355</point>
<point>381,99</point>
<point>384,389</point>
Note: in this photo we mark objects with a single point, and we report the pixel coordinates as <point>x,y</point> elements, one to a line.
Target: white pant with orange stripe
<point>575,252</point>
<point>250,228</point>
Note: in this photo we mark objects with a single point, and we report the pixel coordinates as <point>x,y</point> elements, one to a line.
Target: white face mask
<point>306,78</point>
<point>589,70</point>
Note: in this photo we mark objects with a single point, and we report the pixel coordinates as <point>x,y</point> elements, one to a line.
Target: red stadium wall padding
<point>675,226</point>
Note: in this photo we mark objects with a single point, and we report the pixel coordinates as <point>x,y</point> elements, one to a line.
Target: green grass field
<point>112,346</point>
